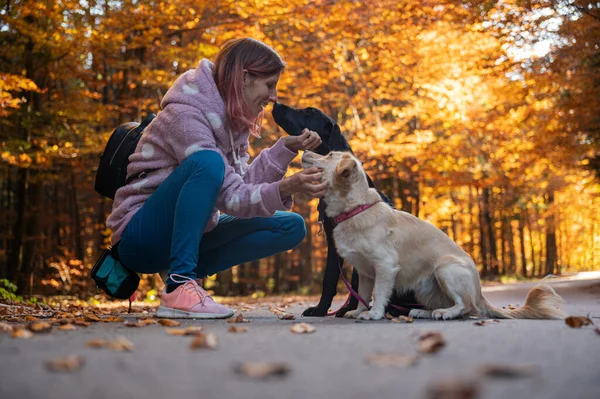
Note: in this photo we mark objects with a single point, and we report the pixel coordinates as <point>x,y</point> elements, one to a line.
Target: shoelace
<point>191,286</point>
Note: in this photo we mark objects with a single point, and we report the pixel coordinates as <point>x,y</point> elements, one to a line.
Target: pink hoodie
<point>193,119</point>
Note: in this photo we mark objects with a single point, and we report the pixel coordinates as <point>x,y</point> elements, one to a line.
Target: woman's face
<point>258,92</point>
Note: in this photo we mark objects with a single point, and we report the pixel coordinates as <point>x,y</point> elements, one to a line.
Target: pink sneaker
<point>190,301</point>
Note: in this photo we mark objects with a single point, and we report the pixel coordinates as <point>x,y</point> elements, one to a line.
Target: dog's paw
<point>445,314</point>
<point>353,314</point>
<point>370,315</point>
<point>342,312</point>
<point>420,314</point>
<point>315,311</point>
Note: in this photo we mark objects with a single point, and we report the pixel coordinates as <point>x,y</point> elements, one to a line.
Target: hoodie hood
<point>196,88</point>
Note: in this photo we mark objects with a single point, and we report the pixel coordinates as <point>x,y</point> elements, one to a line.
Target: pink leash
<point>359,298</point>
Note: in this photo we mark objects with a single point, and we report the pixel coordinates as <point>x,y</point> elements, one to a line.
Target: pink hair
<point>228,71</point>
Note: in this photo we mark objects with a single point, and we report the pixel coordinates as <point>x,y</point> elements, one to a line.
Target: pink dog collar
<point>347,215</point>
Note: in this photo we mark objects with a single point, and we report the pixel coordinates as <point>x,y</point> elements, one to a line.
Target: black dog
<point>293,121</point>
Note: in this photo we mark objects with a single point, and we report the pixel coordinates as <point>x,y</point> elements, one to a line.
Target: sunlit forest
<point>481,117</point>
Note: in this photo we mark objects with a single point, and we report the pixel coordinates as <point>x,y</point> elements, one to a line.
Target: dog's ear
<point>345,168</point>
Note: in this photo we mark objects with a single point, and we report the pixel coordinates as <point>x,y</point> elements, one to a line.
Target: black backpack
<point>112,171</point>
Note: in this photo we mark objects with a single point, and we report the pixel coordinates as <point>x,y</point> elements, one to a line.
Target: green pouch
<point>112,277</point>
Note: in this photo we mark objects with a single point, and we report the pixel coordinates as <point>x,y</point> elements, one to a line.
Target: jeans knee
<point>296,228</point>
<point>210,164</point>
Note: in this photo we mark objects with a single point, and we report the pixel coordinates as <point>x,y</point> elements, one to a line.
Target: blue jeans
<point>167,232</point>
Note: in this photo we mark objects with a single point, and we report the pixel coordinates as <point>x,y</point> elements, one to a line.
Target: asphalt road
<point>561,362</point>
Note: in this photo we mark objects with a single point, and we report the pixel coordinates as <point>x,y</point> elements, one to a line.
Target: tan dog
<point>394,249</point>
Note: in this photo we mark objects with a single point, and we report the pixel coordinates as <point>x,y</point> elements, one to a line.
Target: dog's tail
<point>542,303</point>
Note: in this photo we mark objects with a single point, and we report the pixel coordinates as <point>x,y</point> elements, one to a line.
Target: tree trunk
<point>522,245</point>
<point>483,240</point>
<point>550,235</point>
<point>15,245</point>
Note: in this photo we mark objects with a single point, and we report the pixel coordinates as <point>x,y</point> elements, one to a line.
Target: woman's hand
<point>303,182</point>
<point>308,140</point>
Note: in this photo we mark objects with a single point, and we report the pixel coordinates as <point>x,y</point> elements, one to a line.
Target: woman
<point>198,148</point>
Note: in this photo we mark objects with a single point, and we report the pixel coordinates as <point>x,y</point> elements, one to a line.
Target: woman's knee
<point>209,163</point>
<point>295,228</point>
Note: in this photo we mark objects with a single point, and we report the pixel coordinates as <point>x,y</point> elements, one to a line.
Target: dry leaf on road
<point>577,321</point>
<point>5,327</point>
<point>67,327</point>
<point>120,344</point>
<point>453,389</point>
<point>597,330</point>
<point>169,323</point>
<point>507,371</point>
<point>191,330</point>
<point>97,343</point>
<point>391,359</point>
<point>40,327</point>
<point>140,323</point>
<point>204,341</point>
<point>21,333</point>
<point>92,317</point>
<point>69,363</point>
<point>238,319</point>
<point>431,341</point>
<point>303,328</point>
<point>261,370</point>
<point>82,323</point>
<point>287,316</point>
<point>113,319</point>
<point>236,329</point>
<point>399,319</point>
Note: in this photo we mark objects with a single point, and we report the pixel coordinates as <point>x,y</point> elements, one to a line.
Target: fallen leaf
<point>453,389</point>
<point>169,322</point>
<point>121,344</point>
<point>480,323</point>
<point>507,371</point>
<point>92,317</point>
<point>431,342</point>
<point>597,330</point>
<point>97,343</point>
<point>238,319</point>
<point>5,327</point>
<point>204,341</point>
<point>67,327</point>
<point>31,318</point>
<point>391,359</point>
<point>21,333</point>
<point>261,370</point>
<point>184,331</point>
<point>140,323</point>
<point>399,319</point>
<point>577,321</point>
<point>287,316</point>
<point>113,319</point>
<point>236,329</point>
<point>40,327</point>
<point>303,328</point>
<point>69,363</point>
<point>82,323</point>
